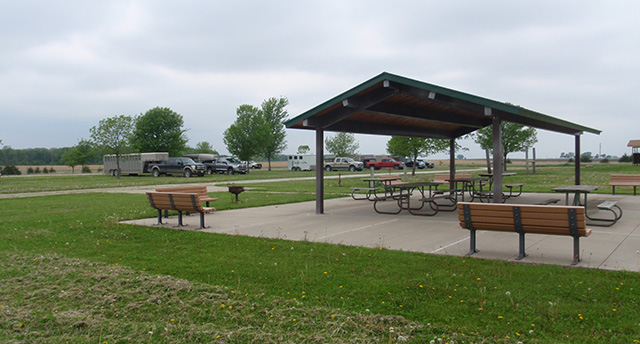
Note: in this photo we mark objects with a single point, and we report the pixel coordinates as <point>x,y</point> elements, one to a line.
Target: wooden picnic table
<point>577,191</point>
<point>401,193</point>
<point>469,185</point>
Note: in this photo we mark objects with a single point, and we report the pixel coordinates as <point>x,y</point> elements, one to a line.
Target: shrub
<point>625,158</point>
<point>37,170</point>
<point>585,158</point>
<point>30,170</point>
<point>51,170</point>
<point>11,170</point>
<point>570,160</point>
<point>604,161</point>
<point>86,169</point>
<point>45,170</point>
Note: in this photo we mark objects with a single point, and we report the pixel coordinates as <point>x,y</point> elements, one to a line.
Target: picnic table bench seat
<point>624,180</point>
<point>523,219</point>
<point>611,206</point>
<point>181,202</point>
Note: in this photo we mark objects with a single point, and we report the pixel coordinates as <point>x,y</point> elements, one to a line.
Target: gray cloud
<point>67,65</point>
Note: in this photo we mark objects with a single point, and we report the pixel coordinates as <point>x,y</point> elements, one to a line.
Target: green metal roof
<point>389,104</point>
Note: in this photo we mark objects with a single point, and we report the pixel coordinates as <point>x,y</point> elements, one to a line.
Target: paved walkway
<point>351,222</point>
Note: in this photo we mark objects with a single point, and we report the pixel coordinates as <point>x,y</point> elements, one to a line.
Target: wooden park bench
<point>181,202</point>
<point>625,180</point>
<point>522,219</point>
<point>202,192</point>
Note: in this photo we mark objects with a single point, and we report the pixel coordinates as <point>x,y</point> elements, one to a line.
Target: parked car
<point>426,163</point>
<point>409,163</point>
<point>254,165</point>
<point>384,163</point>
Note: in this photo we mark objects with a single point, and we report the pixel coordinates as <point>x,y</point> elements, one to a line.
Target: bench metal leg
<point>472,242</point>
<point>202,221</point>
<point>159,216</point>
<point>576,250</point>
<point>180,219</point>
<point>521,254</point>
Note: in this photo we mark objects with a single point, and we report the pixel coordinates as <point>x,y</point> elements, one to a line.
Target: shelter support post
<point>577,159</point>
<point>452,162</point>
<point>319,171</point>
<point>497,160</point>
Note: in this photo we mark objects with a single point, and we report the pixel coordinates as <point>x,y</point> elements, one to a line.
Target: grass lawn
<point>70,273</point>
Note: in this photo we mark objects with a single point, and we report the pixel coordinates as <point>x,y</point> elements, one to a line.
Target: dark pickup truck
<point>185,166</point>
<point>225,165</point>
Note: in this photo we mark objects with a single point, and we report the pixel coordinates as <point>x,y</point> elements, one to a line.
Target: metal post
<point>533,164</point>
<point>497,160</point>
<point>452,162</point>
<point>319,171</point>
<point>577,168</point>
<point>526,159</point>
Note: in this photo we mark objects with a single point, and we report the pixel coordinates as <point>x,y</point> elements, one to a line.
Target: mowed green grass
<point>70,273</point>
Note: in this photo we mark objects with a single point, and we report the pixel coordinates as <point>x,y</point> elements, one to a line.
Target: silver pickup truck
<point>343,163</point>
<point>225,165</point>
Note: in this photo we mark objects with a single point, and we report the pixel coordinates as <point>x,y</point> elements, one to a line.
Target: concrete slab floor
<point>350,222</point>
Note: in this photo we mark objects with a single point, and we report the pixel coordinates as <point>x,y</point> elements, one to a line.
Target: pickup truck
<point>225,165</point>
<point>185,166</point>
<point>384,163</point>
<point>343,163</point>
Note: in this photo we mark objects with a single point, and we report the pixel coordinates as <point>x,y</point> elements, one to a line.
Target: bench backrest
<point>201,191</point>
<point>625,178</point>
<point>534,218</point>
<point>442,178</point>
<point>175,201</point>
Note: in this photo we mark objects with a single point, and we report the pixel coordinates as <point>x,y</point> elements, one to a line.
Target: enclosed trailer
<point>132,164</point>
<point>301,162</point>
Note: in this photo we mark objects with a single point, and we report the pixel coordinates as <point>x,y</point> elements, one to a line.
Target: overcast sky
<point>65,65</point>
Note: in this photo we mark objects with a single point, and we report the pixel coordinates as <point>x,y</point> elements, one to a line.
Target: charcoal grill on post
<point>236,190</point>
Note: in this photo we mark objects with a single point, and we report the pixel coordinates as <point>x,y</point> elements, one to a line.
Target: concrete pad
<point>350,222</point>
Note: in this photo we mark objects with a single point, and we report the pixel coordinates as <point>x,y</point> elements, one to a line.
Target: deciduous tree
<point>413,147</point>
<point>515,138</point>
<point>160,130</point>
<point>245,136</point>
<point>303,149</point>
<point>112,135</point>
<point>273,133</point>
<point>342,144</point>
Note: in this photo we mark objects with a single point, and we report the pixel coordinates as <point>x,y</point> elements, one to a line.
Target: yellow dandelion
<point>172,320</point>
<point>222,305</point>
<point>230,307</point>
<point>500,317</point>
<point>333,316</point>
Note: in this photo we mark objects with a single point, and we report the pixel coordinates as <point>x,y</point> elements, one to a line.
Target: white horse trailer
<point>301,162</point>
<point>132,164</point>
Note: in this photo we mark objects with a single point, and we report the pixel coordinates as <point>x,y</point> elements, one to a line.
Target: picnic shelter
<point>388,104</point>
